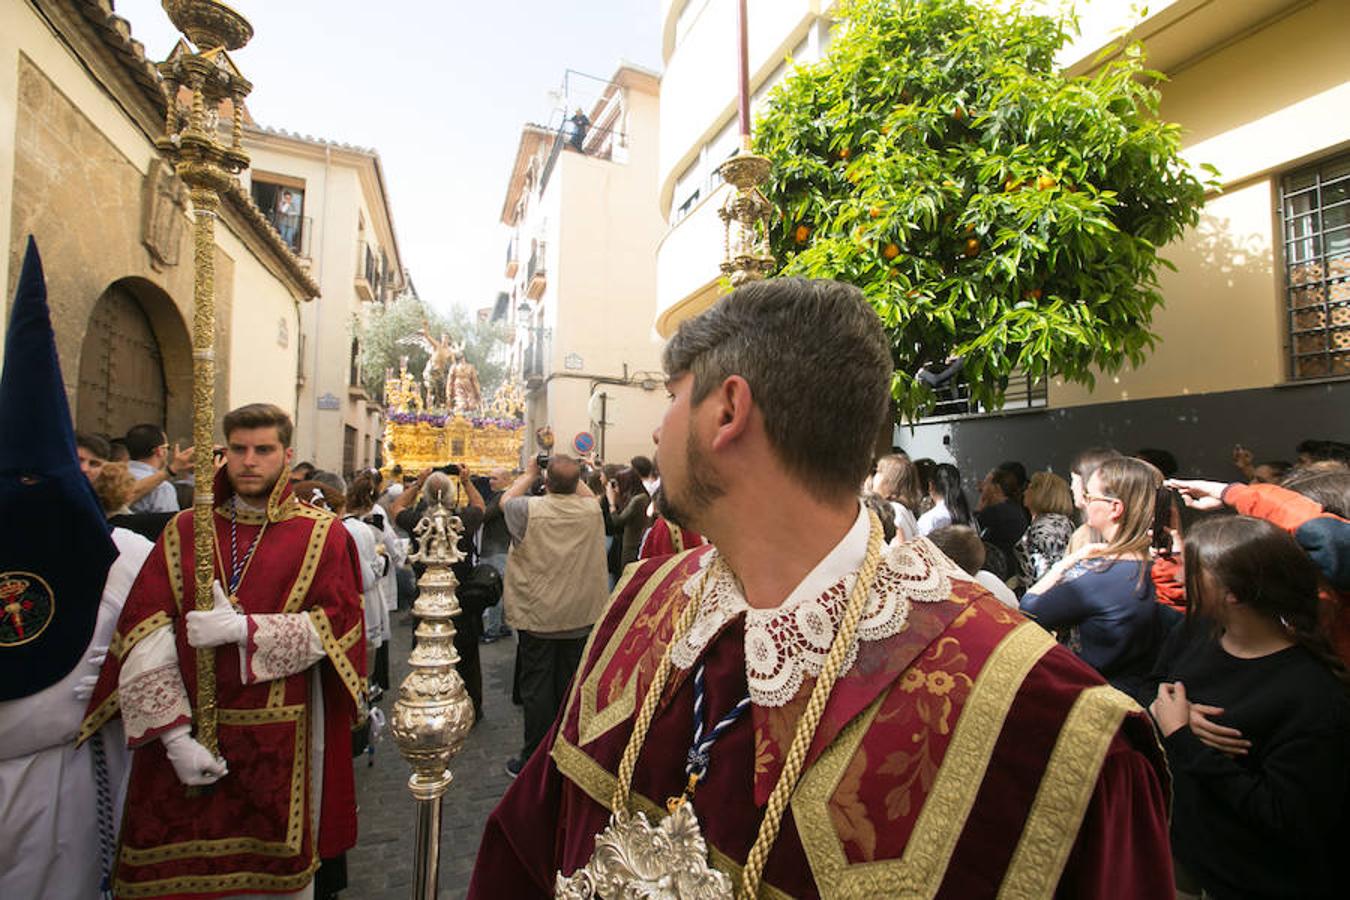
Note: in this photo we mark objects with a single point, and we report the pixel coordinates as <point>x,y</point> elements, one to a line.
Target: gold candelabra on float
<point>196,83</point>
<point>433,713</point>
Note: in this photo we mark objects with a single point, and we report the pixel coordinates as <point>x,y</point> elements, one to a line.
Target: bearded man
<point>808,711</point>
<point>290,664</point>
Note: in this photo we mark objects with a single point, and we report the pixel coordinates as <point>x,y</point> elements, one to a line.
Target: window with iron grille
<point>1315,208</point>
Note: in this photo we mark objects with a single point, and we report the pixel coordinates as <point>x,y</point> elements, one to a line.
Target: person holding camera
<point>555,586</point>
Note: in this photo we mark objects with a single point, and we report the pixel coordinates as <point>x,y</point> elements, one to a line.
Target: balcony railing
<point>536,279</point>
<point>367,272</point>
<point>953,399</point>
<point>512,258</point>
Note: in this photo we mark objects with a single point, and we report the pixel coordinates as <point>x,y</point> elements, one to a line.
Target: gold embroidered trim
<point>263,716</point>
<point>331,646</point>
<point>598,784</point>
<point>593,722</point>
<point>120,646</point>
<point>98,718</point>
<point>235,882</point>
<point>354,634</point>
<point>1066,789</point>
<point>173,559</point>
<point>619,586</point>
<point>923,866</point>
<point>318,537</point>
<point>276,693</point>
<point>134,856</point>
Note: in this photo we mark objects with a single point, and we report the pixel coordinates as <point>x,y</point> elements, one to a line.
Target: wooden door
<point>121,371</point>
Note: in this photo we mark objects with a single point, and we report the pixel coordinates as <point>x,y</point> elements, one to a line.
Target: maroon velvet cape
<point>966,751</point>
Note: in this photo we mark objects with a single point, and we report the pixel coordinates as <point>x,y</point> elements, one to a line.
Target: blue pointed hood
<point>55,545</point>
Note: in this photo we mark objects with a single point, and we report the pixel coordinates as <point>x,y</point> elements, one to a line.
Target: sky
<point>440,89</point>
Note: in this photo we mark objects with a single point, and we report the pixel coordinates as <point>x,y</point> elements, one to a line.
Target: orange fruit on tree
<point>972,247</point>
<point>890,251</point>
<point>959,114</point>
<point>1045,182</point>
<point>1033,294</point>
<point>875,212</point>
<point>970,227</point>
<point>845,153</point>
<point>801,234</point>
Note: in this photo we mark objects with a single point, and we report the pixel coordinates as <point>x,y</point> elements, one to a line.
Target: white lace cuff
<point>150,689</point>
<point>279,645</point>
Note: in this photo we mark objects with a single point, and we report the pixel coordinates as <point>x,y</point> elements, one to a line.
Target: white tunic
<point>49,845</point>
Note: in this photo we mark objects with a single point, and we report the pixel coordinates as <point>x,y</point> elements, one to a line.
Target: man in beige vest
<point>555,587</point>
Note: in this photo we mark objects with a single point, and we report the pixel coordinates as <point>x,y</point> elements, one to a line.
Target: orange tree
<point>988,206</point>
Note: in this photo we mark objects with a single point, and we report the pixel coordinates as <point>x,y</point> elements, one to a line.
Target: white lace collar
<point>788,643</point>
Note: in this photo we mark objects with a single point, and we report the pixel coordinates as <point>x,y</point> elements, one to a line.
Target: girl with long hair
<point>1101,594</point>
<point>950,506</point>
<point>897,482</point>
<point>1267,818</point>
<point>627,519</point>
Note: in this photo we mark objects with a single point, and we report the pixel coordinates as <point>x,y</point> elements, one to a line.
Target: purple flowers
<point>438,420</point>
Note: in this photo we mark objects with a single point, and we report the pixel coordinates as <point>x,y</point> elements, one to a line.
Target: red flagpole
<point>744,81</point>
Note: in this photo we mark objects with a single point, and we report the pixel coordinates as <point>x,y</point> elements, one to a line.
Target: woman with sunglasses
<point>1101,596</point>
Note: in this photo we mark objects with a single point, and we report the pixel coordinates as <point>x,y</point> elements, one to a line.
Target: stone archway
<point>135,363</point>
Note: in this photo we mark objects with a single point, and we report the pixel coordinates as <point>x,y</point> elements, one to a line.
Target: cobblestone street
<point>380,866</point>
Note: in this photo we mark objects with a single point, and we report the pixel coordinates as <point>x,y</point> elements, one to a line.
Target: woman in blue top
<point>1102,594</point>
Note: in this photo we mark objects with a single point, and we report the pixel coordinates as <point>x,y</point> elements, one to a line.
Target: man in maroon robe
<point>290,664</point>
<point>961,752</point>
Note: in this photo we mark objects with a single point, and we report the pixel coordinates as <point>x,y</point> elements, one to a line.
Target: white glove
<point>84,688</point>
<point>192,763</point>
<point>223,624</point>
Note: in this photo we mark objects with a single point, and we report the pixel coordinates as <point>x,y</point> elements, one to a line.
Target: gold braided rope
<point>806,726</point>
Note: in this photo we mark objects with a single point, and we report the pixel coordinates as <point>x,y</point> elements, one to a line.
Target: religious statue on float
<point>440,356</point>
<point>462,390</point>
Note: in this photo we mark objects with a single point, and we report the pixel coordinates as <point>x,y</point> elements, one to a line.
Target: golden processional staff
<point>197,83</point>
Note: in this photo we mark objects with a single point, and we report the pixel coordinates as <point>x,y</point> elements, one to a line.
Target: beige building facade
<point>581,272</point>
<point>1254,337</point>
<point>80,109</point>
<point>328,202</point>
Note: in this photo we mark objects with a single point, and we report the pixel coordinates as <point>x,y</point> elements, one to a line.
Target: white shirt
<point>906,528</point>
<point>1002,593</point>
<point>935,518</point>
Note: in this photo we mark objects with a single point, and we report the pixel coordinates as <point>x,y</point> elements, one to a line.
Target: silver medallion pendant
<point>636,860</point>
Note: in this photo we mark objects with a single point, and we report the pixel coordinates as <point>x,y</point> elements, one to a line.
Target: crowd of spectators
<point>1222,606</point>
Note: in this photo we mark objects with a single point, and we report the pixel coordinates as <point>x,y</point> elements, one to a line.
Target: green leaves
<point>384,326</point>
<point>986,205</point>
